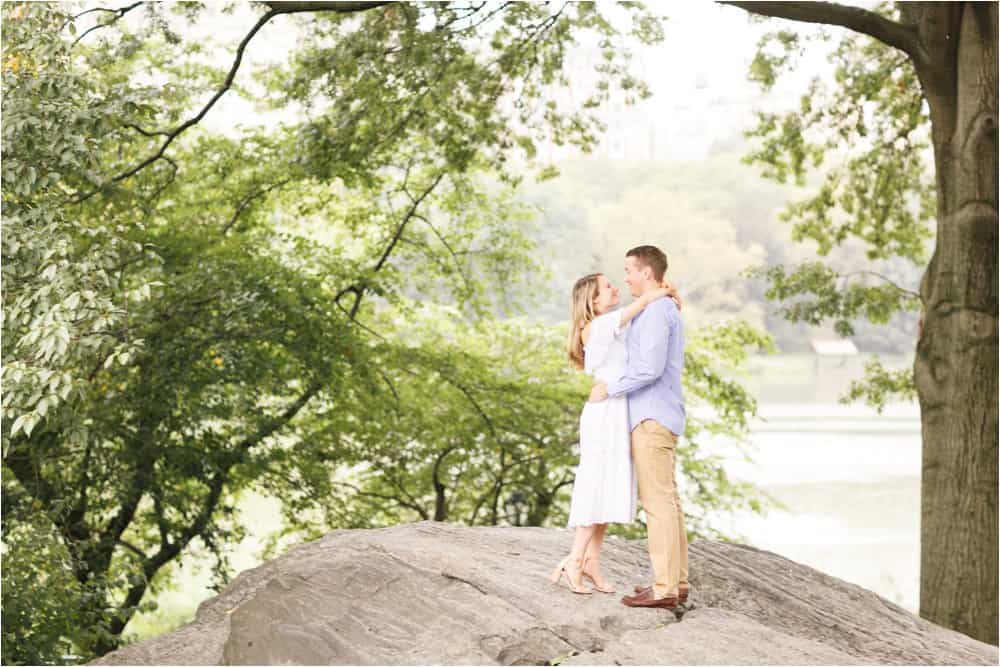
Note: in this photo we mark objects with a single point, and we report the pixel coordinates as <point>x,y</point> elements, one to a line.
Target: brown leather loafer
<point>646,599</point>
<point>682,591</point>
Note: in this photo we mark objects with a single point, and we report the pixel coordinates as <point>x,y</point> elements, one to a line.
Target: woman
<point>605,489</point>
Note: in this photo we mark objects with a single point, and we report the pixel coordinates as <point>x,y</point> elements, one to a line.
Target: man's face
<point>636,276</point>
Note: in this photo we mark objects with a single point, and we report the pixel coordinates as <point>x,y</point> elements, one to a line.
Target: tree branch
<point>147,133</point>
<point>406,220</point>
<point>28,473</point>
<point>440,497</point>
<point>475,404</point>
<point>860,20</point>
<point>276,8</point>
<point>396,499</point>
<point>176,132</point>
<point>359,290</point>
<point>874,274</point>
<point>169,550</point>
<point>566,481</point>
<point>161,521</point>
<point>392,387</point>
<point>117,12</point>
<point>278,422</point>
<point>451,251</point>
<point>339,7</point>
<point>134,549</point>
<point>247,201</point>
<point>104,9</point>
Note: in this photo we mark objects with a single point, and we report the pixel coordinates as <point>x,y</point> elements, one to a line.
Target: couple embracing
<point>629,426</point>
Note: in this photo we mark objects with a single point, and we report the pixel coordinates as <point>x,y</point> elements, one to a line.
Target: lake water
<point>850,483</point>
<point>848,476</point>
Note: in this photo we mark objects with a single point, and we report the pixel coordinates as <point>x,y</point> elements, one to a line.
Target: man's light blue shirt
<point>652,380</point>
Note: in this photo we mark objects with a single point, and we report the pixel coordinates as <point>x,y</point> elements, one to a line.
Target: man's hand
<point>672,293</point>
<point>598,393</point>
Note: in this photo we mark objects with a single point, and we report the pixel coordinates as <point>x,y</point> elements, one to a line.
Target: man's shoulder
<point>665,307</point>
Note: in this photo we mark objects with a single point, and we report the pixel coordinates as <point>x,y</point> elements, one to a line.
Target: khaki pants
<point>654,449</point>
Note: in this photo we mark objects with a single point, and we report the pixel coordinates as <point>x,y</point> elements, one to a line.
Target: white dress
<point>605,486</point>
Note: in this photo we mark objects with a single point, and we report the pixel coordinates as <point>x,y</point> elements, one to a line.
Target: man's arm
<point>654,330</point>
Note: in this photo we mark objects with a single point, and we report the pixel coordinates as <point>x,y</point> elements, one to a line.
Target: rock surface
<point>436,593</point>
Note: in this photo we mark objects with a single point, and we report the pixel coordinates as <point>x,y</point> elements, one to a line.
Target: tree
<point>166,331</point>
<point>420,453</point>
<point>944,56</point>
<point>245,299</point>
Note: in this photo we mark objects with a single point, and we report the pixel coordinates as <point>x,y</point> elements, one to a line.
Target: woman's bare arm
<point>639,304</point>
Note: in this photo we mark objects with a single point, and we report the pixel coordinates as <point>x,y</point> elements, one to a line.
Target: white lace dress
<point>605,486</point>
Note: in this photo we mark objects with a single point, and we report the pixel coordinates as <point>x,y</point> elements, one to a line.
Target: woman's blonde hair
<point>581,313</point>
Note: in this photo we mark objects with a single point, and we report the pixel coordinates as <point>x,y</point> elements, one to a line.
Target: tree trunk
<point>953,46</point>
<point>541,503</point>
<point>956,360</point>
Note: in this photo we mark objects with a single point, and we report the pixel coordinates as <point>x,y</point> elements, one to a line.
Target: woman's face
<point>607,295</point>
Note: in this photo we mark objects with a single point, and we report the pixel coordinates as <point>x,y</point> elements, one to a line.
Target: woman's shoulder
<point>602,326</point>
<point>609,316</point>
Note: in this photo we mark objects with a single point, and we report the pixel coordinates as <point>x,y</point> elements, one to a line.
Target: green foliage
<point>67,294</point>
<point>815,293</point>
<point>714,218</point>
<point>868,137</point>
<point>482,425</point>
<point>38,621</point>
<point>189,319</point>
<point>774,54</point>
<point>875,125</point>
<point>471,423</point>
<point>712,354</point>
<point>473,87</point>
<point>881,384</point>
<point>49,617</point>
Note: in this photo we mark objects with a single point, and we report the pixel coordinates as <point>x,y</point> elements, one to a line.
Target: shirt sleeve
<point>651,361</point>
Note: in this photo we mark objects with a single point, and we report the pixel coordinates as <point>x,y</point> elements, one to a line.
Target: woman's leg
<point>573,563</point>
<point>581,541</point>
<point>591,559</point>
<point>596,541</point>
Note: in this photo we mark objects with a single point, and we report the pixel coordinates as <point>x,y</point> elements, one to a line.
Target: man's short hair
<point>651,256</point>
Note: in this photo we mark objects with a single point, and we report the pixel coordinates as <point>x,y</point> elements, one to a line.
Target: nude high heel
<point>561,571</point>
<point>597,587</point>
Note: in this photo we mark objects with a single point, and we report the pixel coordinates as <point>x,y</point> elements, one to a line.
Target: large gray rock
<point>435,593</point>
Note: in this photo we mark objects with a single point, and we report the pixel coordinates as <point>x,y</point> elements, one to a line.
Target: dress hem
<point>584,525</point>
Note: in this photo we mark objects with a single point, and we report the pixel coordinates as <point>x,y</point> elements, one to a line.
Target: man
<point>652,383</point>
